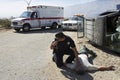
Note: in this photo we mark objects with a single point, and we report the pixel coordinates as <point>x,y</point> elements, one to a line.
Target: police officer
<point>64,45</point>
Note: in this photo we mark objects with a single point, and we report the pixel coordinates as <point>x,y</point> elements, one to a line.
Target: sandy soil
<point>103,58</point>
<point>26,56</point>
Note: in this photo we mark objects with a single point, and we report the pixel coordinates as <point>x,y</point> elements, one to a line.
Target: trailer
<point>104,30</point>
<point>39,17</point>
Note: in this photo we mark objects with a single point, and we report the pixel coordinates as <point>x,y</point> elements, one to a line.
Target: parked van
<point>39,17</point>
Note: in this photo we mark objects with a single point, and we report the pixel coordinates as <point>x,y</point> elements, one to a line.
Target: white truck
<point>39,17</point>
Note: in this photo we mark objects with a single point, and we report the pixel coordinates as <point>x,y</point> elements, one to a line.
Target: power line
<point>28,2</point>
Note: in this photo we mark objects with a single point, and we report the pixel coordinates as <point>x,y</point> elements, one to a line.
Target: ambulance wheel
<point>43,27</point>
<point>26,28</point>
<point>54,25</point>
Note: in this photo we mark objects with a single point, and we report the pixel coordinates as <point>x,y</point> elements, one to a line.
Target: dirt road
<point>26,56</point>
<point>23,56</point>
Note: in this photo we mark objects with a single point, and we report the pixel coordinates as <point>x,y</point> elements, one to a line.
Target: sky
<point>16,7</point>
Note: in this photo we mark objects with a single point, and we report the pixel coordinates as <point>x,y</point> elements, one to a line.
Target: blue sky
<point>16,7</point>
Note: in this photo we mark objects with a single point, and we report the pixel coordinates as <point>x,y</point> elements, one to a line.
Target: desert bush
<point>5,23</point>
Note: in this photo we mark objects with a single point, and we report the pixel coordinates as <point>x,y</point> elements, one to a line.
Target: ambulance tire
<point>26,28</point>
<point>54,25</point>
<point>43,27</point>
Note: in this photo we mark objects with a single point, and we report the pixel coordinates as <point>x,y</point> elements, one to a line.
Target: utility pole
<point>28,2</point>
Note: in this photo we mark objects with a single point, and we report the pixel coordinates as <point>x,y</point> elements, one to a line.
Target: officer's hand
<point>53,44</point>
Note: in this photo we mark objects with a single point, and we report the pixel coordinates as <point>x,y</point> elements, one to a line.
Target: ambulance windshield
<point>25,14</point>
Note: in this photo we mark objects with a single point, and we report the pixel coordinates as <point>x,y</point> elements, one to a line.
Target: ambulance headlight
<point>20,22</point>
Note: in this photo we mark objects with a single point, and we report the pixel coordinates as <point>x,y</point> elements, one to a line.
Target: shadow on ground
<point>104,49</point>
<point>40,31</point>
<point>72,75</point>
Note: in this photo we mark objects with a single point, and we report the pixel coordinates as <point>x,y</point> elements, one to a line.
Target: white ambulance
<point>39,17</point>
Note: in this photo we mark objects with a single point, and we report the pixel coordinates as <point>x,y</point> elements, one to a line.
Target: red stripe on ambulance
<point>44,18</point>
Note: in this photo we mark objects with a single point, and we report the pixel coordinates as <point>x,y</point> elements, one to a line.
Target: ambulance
<point>39,17</point>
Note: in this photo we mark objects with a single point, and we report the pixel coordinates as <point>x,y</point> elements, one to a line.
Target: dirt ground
<point>102,59</point>
<point>26,56</point>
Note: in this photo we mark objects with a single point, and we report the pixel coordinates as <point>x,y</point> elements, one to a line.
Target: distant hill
<point>91,8</point>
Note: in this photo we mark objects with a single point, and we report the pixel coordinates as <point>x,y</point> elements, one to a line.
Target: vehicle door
<point>80,26</point>
<point>34,20</point>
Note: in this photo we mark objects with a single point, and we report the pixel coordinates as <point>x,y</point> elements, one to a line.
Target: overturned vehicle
<point>104,30</point>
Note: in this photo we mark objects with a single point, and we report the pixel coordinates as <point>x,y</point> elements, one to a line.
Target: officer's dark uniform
<point>62,48</point>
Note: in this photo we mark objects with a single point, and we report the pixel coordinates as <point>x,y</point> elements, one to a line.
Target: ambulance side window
<point>34,15</point>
